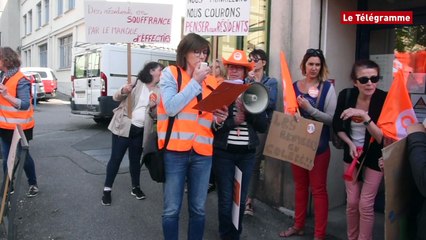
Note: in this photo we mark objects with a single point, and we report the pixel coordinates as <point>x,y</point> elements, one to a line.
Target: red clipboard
<point>224,94</point>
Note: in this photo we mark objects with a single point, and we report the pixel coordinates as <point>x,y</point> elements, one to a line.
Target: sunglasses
<point>256,60</point>
<point>364,80</point>
<point>316,52</point>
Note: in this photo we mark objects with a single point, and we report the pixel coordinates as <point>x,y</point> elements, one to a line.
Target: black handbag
<point>154,160</point>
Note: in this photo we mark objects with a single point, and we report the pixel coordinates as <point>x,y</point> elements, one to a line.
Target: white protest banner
<point>12,152</point>
<point>293,141</point>
<point>127,22</point>
<point>217,17</point>
<point>237,197</point>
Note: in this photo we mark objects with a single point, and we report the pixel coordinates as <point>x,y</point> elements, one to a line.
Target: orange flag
<point>397,113</point>
<point>290,103</point>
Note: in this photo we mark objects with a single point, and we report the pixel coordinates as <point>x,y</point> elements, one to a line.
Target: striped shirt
<point>239,135</point>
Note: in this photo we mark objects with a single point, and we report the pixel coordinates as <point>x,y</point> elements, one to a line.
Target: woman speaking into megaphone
<point>235,143</point>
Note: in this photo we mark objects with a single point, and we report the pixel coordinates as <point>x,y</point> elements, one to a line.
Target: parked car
<point>50,82</point>
<point>36,85</point>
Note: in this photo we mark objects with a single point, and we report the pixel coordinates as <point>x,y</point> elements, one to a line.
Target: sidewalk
<point>267,219</point>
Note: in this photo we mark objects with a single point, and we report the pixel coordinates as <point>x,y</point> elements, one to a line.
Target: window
<point>46,11</point>
<point>25,24</point>
<point>71,4</point>
<point>38,15</point>
<point>43,55</point>
<point>27,54</point>
<point>65,46</point>
<point>30,21</point>
<point>60,7</point>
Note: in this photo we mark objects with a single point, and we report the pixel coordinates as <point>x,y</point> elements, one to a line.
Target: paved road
<point>71,154</point>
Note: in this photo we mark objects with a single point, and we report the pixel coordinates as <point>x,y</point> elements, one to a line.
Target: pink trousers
<point>317,180</point>
<point>360,204</point>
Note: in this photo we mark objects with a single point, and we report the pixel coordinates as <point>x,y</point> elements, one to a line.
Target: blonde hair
<point>222,68</point>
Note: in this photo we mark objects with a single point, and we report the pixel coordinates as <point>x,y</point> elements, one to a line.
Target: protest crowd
<point>227,139</point>
<point>209,144</point>
<point>206,141</point>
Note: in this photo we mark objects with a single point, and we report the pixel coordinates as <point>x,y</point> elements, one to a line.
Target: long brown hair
<point>9,57</point>
<point>190,43</point>
<point>323,73</point>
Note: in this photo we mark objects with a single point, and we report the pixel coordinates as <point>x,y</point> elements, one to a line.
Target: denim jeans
<point>195,169</point>
<point>29,166</point>
<point>224,163</point>
<point>118,149</point>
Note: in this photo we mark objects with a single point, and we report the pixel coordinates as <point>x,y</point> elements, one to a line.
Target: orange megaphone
<point>348,176</point>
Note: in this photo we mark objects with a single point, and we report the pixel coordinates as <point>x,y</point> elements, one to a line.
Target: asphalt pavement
<point>71,155</point>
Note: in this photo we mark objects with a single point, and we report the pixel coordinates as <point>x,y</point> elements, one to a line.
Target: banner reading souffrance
<point>376,17</point>
<point>127,22</point>
<point>217,17</point>
<point>397,112</point>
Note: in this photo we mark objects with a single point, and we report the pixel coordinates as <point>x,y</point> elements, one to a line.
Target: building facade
<point>51,29</point>
<point>9,23</point>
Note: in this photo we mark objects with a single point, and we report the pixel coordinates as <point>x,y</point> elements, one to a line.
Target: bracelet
<point>217,125</point>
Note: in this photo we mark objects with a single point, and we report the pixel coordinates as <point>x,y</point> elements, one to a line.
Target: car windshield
<point>42,74</point>
<point>37,78</point>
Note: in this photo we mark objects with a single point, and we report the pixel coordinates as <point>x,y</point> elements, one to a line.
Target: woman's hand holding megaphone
<point>221,114</point>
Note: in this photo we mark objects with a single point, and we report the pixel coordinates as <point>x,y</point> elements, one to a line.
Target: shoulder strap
<point>319,95</point>
<point>347,97</point>
<point>172,119</point>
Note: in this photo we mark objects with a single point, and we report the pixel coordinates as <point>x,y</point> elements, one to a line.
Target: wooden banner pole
<point>3,202</point>
<point>129,78</point>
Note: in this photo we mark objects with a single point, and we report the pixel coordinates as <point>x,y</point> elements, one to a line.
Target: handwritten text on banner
<point>293,141</point>
<point>217,17</point>
<point>109,22</point>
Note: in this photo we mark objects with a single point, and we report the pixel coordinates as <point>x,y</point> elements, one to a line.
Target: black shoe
<point>32,191</point>
<point>106,198</point>
<point>211,188</point>
<point>137,192</point>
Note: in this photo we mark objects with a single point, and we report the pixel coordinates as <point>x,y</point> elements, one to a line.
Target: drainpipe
<point>320,24</point>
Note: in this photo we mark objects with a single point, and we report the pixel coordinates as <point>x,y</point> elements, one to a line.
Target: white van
<point>99,71</point>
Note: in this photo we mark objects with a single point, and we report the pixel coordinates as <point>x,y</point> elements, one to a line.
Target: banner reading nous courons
<point>217,17</point>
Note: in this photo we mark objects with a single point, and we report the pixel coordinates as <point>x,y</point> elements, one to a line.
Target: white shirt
<point>138,114</point>
<point>358,133</point>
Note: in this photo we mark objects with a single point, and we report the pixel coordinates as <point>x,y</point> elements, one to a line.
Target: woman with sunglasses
<point>316,98</point>
<point>354,122</point>
<point>259,60</point>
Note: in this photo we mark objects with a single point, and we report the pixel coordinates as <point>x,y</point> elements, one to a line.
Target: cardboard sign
<point>127,22</point>
<point>398,188</point>
<point>293,141</point>
<point>236,197</point>
<point>224,94</point>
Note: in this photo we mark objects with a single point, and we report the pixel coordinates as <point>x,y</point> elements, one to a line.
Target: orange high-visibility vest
<point>9,115</point>
<point>191,130</point>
